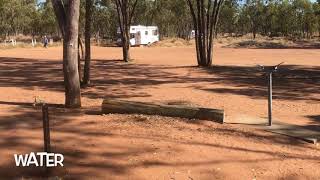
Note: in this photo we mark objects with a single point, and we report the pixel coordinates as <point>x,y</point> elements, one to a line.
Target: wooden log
<point>131,107</point>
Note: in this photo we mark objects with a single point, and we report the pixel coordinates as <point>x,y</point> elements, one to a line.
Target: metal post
<point>269,72</point>
<point>270,99</point>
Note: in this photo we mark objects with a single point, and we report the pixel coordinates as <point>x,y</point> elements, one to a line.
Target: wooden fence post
<point>46,128</point>
<point>46,135</point>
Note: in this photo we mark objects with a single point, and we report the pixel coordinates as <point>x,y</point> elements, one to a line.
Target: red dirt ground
<point>151,147</point>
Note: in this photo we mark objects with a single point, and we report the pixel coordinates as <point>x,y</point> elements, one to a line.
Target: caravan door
<point>138,38</point>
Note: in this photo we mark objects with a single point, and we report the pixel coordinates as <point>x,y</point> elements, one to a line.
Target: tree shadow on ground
<point>291,82</point>
<point>113,78</point>
<point>92,150</point>
<point>315,123</point>
<point>91,147</point>
<point>315,118</point>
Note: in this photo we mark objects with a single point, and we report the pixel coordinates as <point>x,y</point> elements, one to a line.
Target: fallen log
<point>131,107</point>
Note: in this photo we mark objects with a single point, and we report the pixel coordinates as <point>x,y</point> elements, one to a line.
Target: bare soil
<point>112,146</point>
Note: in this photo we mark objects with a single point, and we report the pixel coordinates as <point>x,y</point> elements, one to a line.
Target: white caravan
<point>142,35</point>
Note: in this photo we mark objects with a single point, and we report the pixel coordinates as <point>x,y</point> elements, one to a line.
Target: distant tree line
<point>288,18</point>
<point>26,17</point>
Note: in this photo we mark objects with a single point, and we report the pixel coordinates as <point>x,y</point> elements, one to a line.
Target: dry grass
<point>172,42</point>
<point>246,41</point>
<point>9,45</point>
<point>266,42</point>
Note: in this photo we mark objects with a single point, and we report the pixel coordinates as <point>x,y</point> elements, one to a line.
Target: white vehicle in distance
<point>141,35</point>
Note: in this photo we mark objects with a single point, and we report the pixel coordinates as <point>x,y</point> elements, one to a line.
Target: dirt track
<point>139,147</point>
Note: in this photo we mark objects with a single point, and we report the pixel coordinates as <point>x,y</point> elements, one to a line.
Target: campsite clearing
<point>142,147</point>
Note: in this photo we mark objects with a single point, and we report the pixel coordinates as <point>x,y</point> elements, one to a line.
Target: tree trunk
<point>87,62</point>
<point>70,56</point>
<point>68,18</point>
<point>125,11</point>
<point>254,34</point>
<point>79,66</point>
<point>80,57</point>
<point>205,20</point>
<point>126,47</point>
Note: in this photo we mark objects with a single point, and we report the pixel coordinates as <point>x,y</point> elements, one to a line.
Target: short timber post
<point>270,99</point>
<point>46,128</point>
<point>46,134</point>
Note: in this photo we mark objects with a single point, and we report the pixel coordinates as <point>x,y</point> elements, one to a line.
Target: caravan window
<point>132,35</point>
<point>146,33</point>
<point>155,32</point>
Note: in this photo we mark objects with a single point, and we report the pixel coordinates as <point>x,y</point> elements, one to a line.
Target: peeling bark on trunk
<point>80,58</point>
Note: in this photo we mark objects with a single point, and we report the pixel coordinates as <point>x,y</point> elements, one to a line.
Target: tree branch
<point>60,13</point>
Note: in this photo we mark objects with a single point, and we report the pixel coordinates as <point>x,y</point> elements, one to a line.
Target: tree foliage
<point>26,17</point>
<point>288,18</point>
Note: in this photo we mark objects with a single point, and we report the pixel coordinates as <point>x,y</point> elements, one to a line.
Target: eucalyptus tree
<point>67,13</point>
<point>125,10</point>
<point>205,15</point>
<point>229,17</point>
